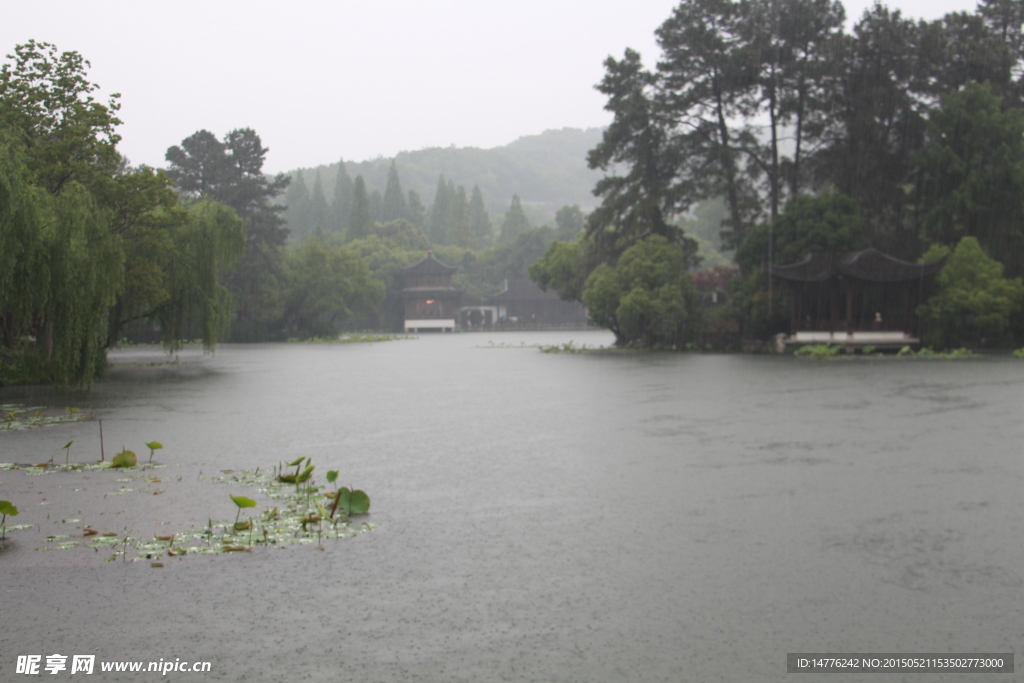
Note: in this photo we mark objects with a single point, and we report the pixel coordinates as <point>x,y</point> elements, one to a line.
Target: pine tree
<point>360,218</point>
<point>417,212</point>
<point>515,222</point>
<point>439,212</point>
<point>318,209</point>
<point>479,218</point>
<point>342,203</point>
<point>394,207</point>
<point>296,201</point>
<point>460,222</point>
<point>376,205</point>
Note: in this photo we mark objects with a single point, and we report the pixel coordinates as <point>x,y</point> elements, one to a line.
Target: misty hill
<point>547,171</point>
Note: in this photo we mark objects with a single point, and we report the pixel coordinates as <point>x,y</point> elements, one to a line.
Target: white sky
<point>320,80</point>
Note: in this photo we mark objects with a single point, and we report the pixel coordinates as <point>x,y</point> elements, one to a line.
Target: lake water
<point>551,517</point>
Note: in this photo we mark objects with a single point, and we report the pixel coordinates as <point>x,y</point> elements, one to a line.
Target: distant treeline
<point>546,171</point>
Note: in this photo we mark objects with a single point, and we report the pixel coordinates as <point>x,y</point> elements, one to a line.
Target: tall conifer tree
<point>318,209</point>
<point>394,207</point>
<point>296,201</point>
<point>341,205</point>
<point>479,218</point>
<point>439,213</point>
<point>515,222</point>
<point>360,218</point>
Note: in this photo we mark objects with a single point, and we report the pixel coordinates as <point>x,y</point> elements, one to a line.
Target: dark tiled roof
<point>524,290</point>
<point>867,264</point>
<point>429,265</point>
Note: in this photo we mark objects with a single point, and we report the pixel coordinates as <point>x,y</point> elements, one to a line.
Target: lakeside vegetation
<point>764,132</point>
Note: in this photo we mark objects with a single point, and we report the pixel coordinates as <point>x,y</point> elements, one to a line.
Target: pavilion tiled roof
<point>429,265</point>
<point>868,264</point>
<point>523,290</point>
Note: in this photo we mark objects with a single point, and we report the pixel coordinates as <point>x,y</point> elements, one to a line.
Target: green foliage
<point>6,508</point>
<point>974,301</point>
<point>973,174</point>
<point>360,218</point>
<point>562,269</point>
<point>353,502</point>
<point>125,458</point>
<point>231,172</point>
<point>61,269</point>
<point>211,240</point>
<point>153,446</point>
<point>47,97</point>
<point>515,221</point>
<point>325,286</point>
<point>1018,353</point>
<point>818,351</point>
<point>828,223</point>
<point>242,502</point>
<point>647,299</point>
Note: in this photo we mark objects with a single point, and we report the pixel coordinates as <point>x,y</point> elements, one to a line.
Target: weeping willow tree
<point>89,244</point>
<point>212,239</point>
<point>61,269</point>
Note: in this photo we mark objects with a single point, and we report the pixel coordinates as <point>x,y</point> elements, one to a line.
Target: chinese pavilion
<point>855,299</point>
<point>431,302</point>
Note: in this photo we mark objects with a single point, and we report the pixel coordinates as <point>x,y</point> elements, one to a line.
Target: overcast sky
<point>324,80</point>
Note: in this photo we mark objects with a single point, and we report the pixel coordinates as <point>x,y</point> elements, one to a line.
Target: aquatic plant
<point>298,520</point>
<point>67,451</point>
<point>291,478</point>
<point>242,502</point>
<point>568,347</point>
<point>818,350</point>
<point>153,446</point>
<point>1018,353</point>
<point>353,502</point>
<point>125,458</point>
<point>6,508</point>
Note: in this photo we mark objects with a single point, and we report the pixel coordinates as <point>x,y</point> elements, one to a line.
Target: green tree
<point>296,199</point>
<point>394,206</point>
<point>93,230</point>
<point>360,219</point>
<point>417,212</point>
<point>704,82</point>
<point>46,98</point>
<point>341,205</point>
<point>515,221</point>
<point>828,223</point>
<point>480,220</point>
<point>563,269</point>
<point>210,241</point>
<point>972,175</point>
<point>570,221</point>
<point>231,172</point>
<point>325,287</point>
<point>647,299</point>
<point>318,208</point>
<point>634,204</point>
<point>440,212</point>
<point>460,221</point>
<point>62,269</point>
<point>974,302</point>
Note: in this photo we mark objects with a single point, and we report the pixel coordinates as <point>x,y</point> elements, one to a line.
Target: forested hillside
<point>547,171</point>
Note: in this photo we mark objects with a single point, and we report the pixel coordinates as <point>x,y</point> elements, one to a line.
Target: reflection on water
<point>593,517</point>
